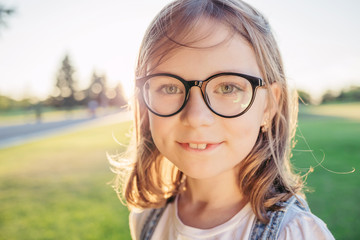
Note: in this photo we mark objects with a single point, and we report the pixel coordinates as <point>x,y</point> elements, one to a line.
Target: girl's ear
<point>272,102</point>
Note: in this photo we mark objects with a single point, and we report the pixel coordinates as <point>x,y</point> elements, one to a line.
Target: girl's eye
<point>227,88</point>
<point>170,89</point>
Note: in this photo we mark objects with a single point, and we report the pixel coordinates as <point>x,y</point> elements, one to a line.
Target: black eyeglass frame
<point>255,82</point>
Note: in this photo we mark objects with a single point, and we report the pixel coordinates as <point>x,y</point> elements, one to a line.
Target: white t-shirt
<point>297,224</point>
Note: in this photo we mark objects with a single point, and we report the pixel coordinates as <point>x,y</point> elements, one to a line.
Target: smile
<point>201,146</point>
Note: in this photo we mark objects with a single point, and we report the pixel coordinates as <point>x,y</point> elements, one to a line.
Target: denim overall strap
<point>261,231</point>
<point>151,222</point>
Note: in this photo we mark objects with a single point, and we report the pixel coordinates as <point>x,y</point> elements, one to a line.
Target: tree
<point>350,94</point>
<point>97,90</point>
<point>3,13</point>
<point>329,96</point>
<point>304,97</point>
<point>65,85</point>
<point>117,96</point>
<point>6,103</point>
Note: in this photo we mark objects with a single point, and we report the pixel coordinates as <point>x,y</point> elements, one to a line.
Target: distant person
<point>213,131</point>
<point>92,106</point>
<point>38,113</point>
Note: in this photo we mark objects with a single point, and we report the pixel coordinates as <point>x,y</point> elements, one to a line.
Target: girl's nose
<point>196,113</point>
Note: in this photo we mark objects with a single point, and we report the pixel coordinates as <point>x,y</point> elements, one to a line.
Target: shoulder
<point>300,223</point>
<point>137,219</point>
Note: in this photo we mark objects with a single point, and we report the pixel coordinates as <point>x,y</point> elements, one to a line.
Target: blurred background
<point>66,75</point>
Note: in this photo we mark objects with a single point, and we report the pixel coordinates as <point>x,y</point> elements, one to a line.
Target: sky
<point>319,41</point>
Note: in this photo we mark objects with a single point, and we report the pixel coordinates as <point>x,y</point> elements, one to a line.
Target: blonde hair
<point>265,175</point>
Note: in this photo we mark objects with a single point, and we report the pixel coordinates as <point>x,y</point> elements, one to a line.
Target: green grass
<point>334,142</point>
<point>57,188</point>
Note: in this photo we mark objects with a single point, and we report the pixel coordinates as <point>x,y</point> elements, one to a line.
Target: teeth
<point>201,146</point>
<point>193,145</point>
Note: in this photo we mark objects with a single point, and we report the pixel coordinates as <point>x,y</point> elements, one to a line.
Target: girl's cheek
<point>159,126</point>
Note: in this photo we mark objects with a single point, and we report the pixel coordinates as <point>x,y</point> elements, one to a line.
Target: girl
<point>213,124</point>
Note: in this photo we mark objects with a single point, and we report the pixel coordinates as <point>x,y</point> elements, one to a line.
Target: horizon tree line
<point>67,95</point>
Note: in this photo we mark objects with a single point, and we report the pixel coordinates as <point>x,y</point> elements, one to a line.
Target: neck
<point>209,202</point>
<point>216,191</point>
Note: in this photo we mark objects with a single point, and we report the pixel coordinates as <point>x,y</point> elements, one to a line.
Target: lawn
<point>57,188</point>
<point>335,151</point>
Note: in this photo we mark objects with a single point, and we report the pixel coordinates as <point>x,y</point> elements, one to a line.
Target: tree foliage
<point>304,97</point>
<point>5,12</point>
<point>7,103</point>
<point>65,87</point>
<point>118,99</point>
<point>67,95</point>
<point>351,94</point>
<point>97,90</point>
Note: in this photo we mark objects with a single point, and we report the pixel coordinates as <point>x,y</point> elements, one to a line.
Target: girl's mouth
<point>200,146</point>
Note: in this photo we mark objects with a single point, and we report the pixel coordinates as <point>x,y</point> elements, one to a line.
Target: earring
<point>265,126</point>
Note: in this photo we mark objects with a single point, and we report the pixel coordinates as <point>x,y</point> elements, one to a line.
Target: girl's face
<point>200,143</point>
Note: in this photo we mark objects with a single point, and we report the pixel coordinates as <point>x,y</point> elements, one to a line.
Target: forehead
<point>210,47</point>
<point>203,33</point>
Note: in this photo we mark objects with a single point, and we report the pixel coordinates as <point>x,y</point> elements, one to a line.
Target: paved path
<point>19,134</point>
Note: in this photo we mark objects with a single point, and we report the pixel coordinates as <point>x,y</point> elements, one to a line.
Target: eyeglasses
<point>226,94</point>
